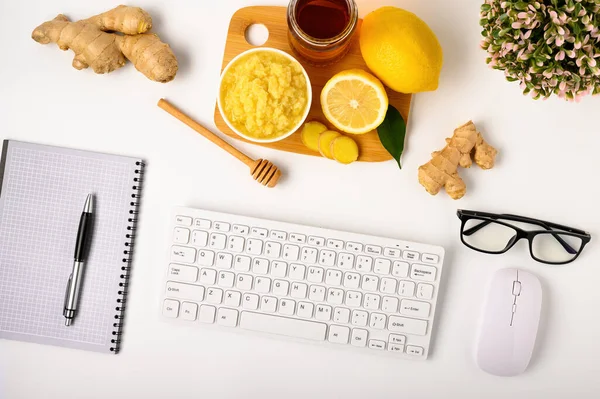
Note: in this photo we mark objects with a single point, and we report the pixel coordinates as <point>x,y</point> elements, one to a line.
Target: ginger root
<point>464,147</point>
<point>97,47</point>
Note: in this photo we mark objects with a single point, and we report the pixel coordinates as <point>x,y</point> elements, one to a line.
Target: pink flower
<point>562,86</point>
<point>522,15</point>
<point>591,62</point>
<point>559,41</point>
<point>560,56</point>
<point>516,25</point>
<point>527,35</point>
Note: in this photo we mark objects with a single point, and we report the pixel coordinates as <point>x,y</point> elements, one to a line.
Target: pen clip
<point>68,289</point>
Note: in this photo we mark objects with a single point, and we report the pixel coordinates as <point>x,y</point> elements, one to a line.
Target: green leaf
<point>392,132</point>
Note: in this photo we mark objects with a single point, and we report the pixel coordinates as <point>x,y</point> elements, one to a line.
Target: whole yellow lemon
<point>401,50</point>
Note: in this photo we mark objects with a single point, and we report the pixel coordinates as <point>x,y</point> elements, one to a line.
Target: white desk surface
<point>547,168</point>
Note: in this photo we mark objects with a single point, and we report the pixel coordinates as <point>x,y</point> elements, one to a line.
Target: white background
<point>548,168</point>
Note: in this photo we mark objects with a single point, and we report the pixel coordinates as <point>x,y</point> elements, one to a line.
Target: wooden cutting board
<point>274,18</point>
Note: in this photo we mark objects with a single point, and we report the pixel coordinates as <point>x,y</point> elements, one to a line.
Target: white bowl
<point>283,136</point>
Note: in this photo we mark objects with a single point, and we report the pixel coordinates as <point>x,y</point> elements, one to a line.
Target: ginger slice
<point>344,150</point>
<point>325,140</point>
<point>310,134</point>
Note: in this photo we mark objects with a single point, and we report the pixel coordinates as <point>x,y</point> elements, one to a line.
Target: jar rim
<point>348,30</point>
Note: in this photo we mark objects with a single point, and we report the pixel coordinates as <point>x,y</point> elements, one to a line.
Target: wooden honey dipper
<point>263,171</point>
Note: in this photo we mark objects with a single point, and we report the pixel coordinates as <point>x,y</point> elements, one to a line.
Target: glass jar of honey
<point>320,31</point>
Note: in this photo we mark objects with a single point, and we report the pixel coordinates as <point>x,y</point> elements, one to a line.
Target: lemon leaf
<point>392,133</point>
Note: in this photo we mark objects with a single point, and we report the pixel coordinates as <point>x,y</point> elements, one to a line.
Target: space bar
<point>283,326</point>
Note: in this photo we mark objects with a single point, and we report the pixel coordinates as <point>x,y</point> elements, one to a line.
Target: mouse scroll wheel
<point>516,288</point>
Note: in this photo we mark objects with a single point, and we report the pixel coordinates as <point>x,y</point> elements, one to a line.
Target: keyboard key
<point>345,261</point>
<point>206,258</point>
<point>326,257</point>
<point>424,291</point>
<point>199,238</point>
<point>389,304</point>
<point>227,317</point>
<point>317,293</point>
<point>335,296</point>
<point>291,252</point>
<point>410,255</point>
<point>268,304</point>
<point>395,348</point>
<point>244,282</point>
<point>202,224</point>
<point>262,284</point>
<point>354,247</point>
<point>217,241</point>
<point>259,232</point>
<point>391,252</point>
<point>299,238</point>
<point>299,290</point>
<point>287,306</point>
<point>222,226</point>
<point>317,241</point>
<point>372,301</point>
<point>323,312</point>
<point>370,283</point>
<point>224,260</point>
<point>183,273</point>
<point>235,243</point>
<point>338,334</point>
<point>297,271</point>
<point>240,229</point>
<point>397,339</point>
<point>183,220</point>
<point>377,321</point>
<point>359,337</point>
<point>315,274</point>
<point>185,291</point>
<point>400,269</point>
<point>272,249</point>
<point>208,276</point>
<point>364,263</point>
<point>278,268</point>
<point>250,301</point>
<point>254,246</point>
<point>278,235</point>
<point>422,272</point>
<point>359,318</point>
<point>309,255</point>
<point>373,249</point>
<point>260,266</point>
<point>305,310</point>
<point>189,311</point>
<point>170,308</point>
<point>335,244</point>
<point>232,298</point>
<point>382,266</point>
<point>388,285</point>
<point>207,314</point>
<point>414,350</point>
<point>353,299</point>
<point>281,287</point>
<point>376,344</point>
<point>341,315</point>
<point>333,277</point>
<point>430,258</point>
<point>242,263</point>
<point>181,235</point>
<point>406,325</point>
<point>225,279</point>
<point>351,280</point>
<point>214,295</point>
<point>183,254</point>
<point>412,308</point>
<point>283,326</point>
<point>406,288</point>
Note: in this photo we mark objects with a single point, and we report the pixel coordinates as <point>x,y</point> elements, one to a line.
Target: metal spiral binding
<point>127,259</point>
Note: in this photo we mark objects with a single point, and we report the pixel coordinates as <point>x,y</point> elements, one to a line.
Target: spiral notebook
<point>42,192</point>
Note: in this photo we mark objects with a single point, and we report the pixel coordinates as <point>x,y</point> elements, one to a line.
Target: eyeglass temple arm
<point>562,242</point>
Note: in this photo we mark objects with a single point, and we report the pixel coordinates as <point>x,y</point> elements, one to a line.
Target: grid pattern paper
<point>41,199</point>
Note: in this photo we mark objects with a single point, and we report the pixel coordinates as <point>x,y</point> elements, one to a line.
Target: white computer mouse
<point>509,324</point>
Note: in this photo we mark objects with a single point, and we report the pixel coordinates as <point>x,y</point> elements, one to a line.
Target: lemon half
<point>354,101</point>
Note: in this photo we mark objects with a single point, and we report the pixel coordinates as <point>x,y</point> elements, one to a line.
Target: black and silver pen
<point>74,283</point>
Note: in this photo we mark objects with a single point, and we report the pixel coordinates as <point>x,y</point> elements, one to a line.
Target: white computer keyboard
<point>363,292</point>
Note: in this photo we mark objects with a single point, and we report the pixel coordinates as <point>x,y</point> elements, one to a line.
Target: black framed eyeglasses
<point>493,233</point>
